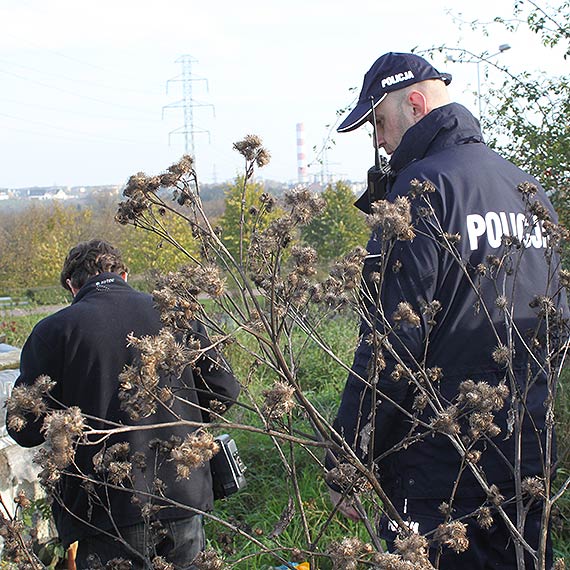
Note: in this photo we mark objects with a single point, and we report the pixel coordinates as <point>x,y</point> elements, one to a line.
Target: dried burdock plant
<point>196,450</point>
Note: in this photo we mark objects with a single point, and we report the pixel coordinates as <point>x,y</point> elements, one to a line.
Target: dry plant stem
<point>106,434</point>
<point>366,522</point>
<point>248,169</point>
<point>295,482</point>
<point>29,555</point>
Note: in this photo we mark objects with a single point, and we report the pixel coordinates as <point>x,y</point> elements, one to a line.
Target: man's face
<point>393,118</point>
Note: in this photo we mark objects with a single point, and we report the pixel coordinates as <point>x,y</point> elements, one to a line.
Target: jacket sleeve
<point>410,276</point>
<point>213,375</point>
<point>37,358</point>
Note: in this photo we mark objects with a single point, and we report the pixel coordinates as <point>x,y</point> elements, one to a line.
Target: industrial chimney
<point>301,164</point>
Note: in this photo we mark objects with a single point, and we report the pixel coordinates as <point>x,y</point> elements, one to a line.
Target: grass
<point>258,508</point>
<point>14,330</point>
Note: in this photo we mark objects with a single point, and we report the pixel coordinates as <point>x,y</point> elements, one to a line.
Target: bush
<point>48,295</point>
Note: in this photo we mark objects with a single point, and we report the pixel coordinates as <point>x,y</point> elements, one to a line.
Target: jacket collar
<point>100,283</point>
<point>445,126</point>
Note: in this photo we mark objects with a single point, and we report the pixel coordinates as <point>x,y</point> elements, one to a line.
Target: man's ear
<point>418,104</point>
<point>124,276</point>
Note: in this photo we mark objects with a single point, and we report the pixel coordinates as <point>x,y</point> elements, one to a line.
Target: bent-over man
<point>122,497</point>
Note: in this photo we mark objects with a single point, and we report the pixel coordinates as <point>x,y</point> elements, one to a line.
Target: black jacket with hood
<point>84,348</point>
<point>475,196</point>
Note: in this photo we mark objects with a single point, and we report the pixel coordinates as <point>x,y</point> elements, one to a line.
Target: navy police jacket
<point>476,196</point>
<point>84,348</point>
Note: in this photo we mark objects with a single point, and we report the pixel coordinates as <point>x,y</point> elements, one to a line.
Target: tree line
<point>35,240</point>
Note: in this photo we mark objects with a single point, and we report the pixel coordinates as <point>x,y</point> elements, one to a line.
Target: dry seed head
<point>452,238</point>
<point>398,373</point>
<point>481,396</point>
<point>26,400</point>
<point>430,310</point>
<point>183,166</point>
<point>394,219</point>
<point>404,313</point>
<point>420,402</point>
<point>501,302</point>
<point>251,148</point>
<point>348,478</point>
<point>495,495</point>
<point>434,374</point>
<point>534,486</point>
<point>501,355</point>
<point>527,188</point>
<point>453,535</point>
<point>196,450</point>
<point>375,277</point>
<point>444,508</point>
<point>473,456</point>
<point>279,401</point>
<point>482,423</point>
<point>484,518</point>
<point>209,560</point>
<point>418,188</point>
<point>22,500</point>
<point>159,563</point>
<point>304,205</point>
<point>61,429</point>
<point>446,421</point>
<point>205,278</point>
<point>414,549</point>
<point>217,409</point>
<point>545,305</point>
<point>345,553</point>
<point>540,211</point>
<point>114,462</point>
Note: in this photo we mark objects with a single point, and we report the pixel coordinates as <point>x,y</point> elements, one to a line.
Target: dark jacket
<point>476,197</point>
<point>83,348</point>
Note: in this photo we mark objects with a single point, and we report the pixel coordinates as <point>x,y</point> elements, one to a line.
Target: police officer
<point>455,298</point>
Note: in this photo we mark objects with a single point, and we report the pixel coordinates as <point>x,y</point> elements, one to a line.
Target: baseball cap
<point>390,72</point>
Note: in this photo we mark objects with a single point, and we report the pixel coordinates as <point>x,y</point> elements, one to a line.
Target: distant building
<point>47,194</point>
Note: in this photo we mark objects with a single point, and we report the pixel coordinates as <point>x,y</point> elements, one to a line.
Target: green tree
<point>527,116</point>
<point>36,241</point>
<point>144,250</point>
<point>245,211</point>
<point>340,228</point>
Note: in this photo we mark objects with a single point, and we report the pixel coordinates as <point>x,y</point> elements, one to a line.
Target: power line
<point>68,111</point>
<point>113,87</point>
<point>130,107</point>
<point>73,131</point>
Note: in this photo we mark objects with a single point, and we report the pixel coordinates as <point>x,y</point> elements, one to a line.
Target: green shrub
<point>55,295</point>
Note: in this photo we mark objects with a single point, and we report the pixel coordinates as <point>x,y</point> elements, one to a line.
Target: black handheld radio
<point>377,175</point>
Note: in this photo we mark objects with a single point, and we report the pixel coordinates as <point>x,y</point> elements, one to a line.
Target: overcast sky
<point>83,84</point>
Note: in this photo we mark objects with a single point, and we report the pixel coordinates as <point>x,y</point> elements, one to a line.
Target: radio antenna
<point>376,153</point>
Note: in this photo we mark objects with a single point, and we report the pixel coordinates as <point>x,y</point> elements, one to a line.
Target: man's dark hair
<point>89,258</point>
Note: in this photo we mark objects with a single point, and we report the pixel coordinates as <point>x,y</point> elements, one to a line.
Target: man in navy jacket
<point>456,322</point>
<point>123,498</point>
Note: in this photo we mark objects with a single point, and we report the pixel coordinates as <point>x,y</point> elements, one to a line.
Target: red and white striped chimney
<point>301,160</point>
